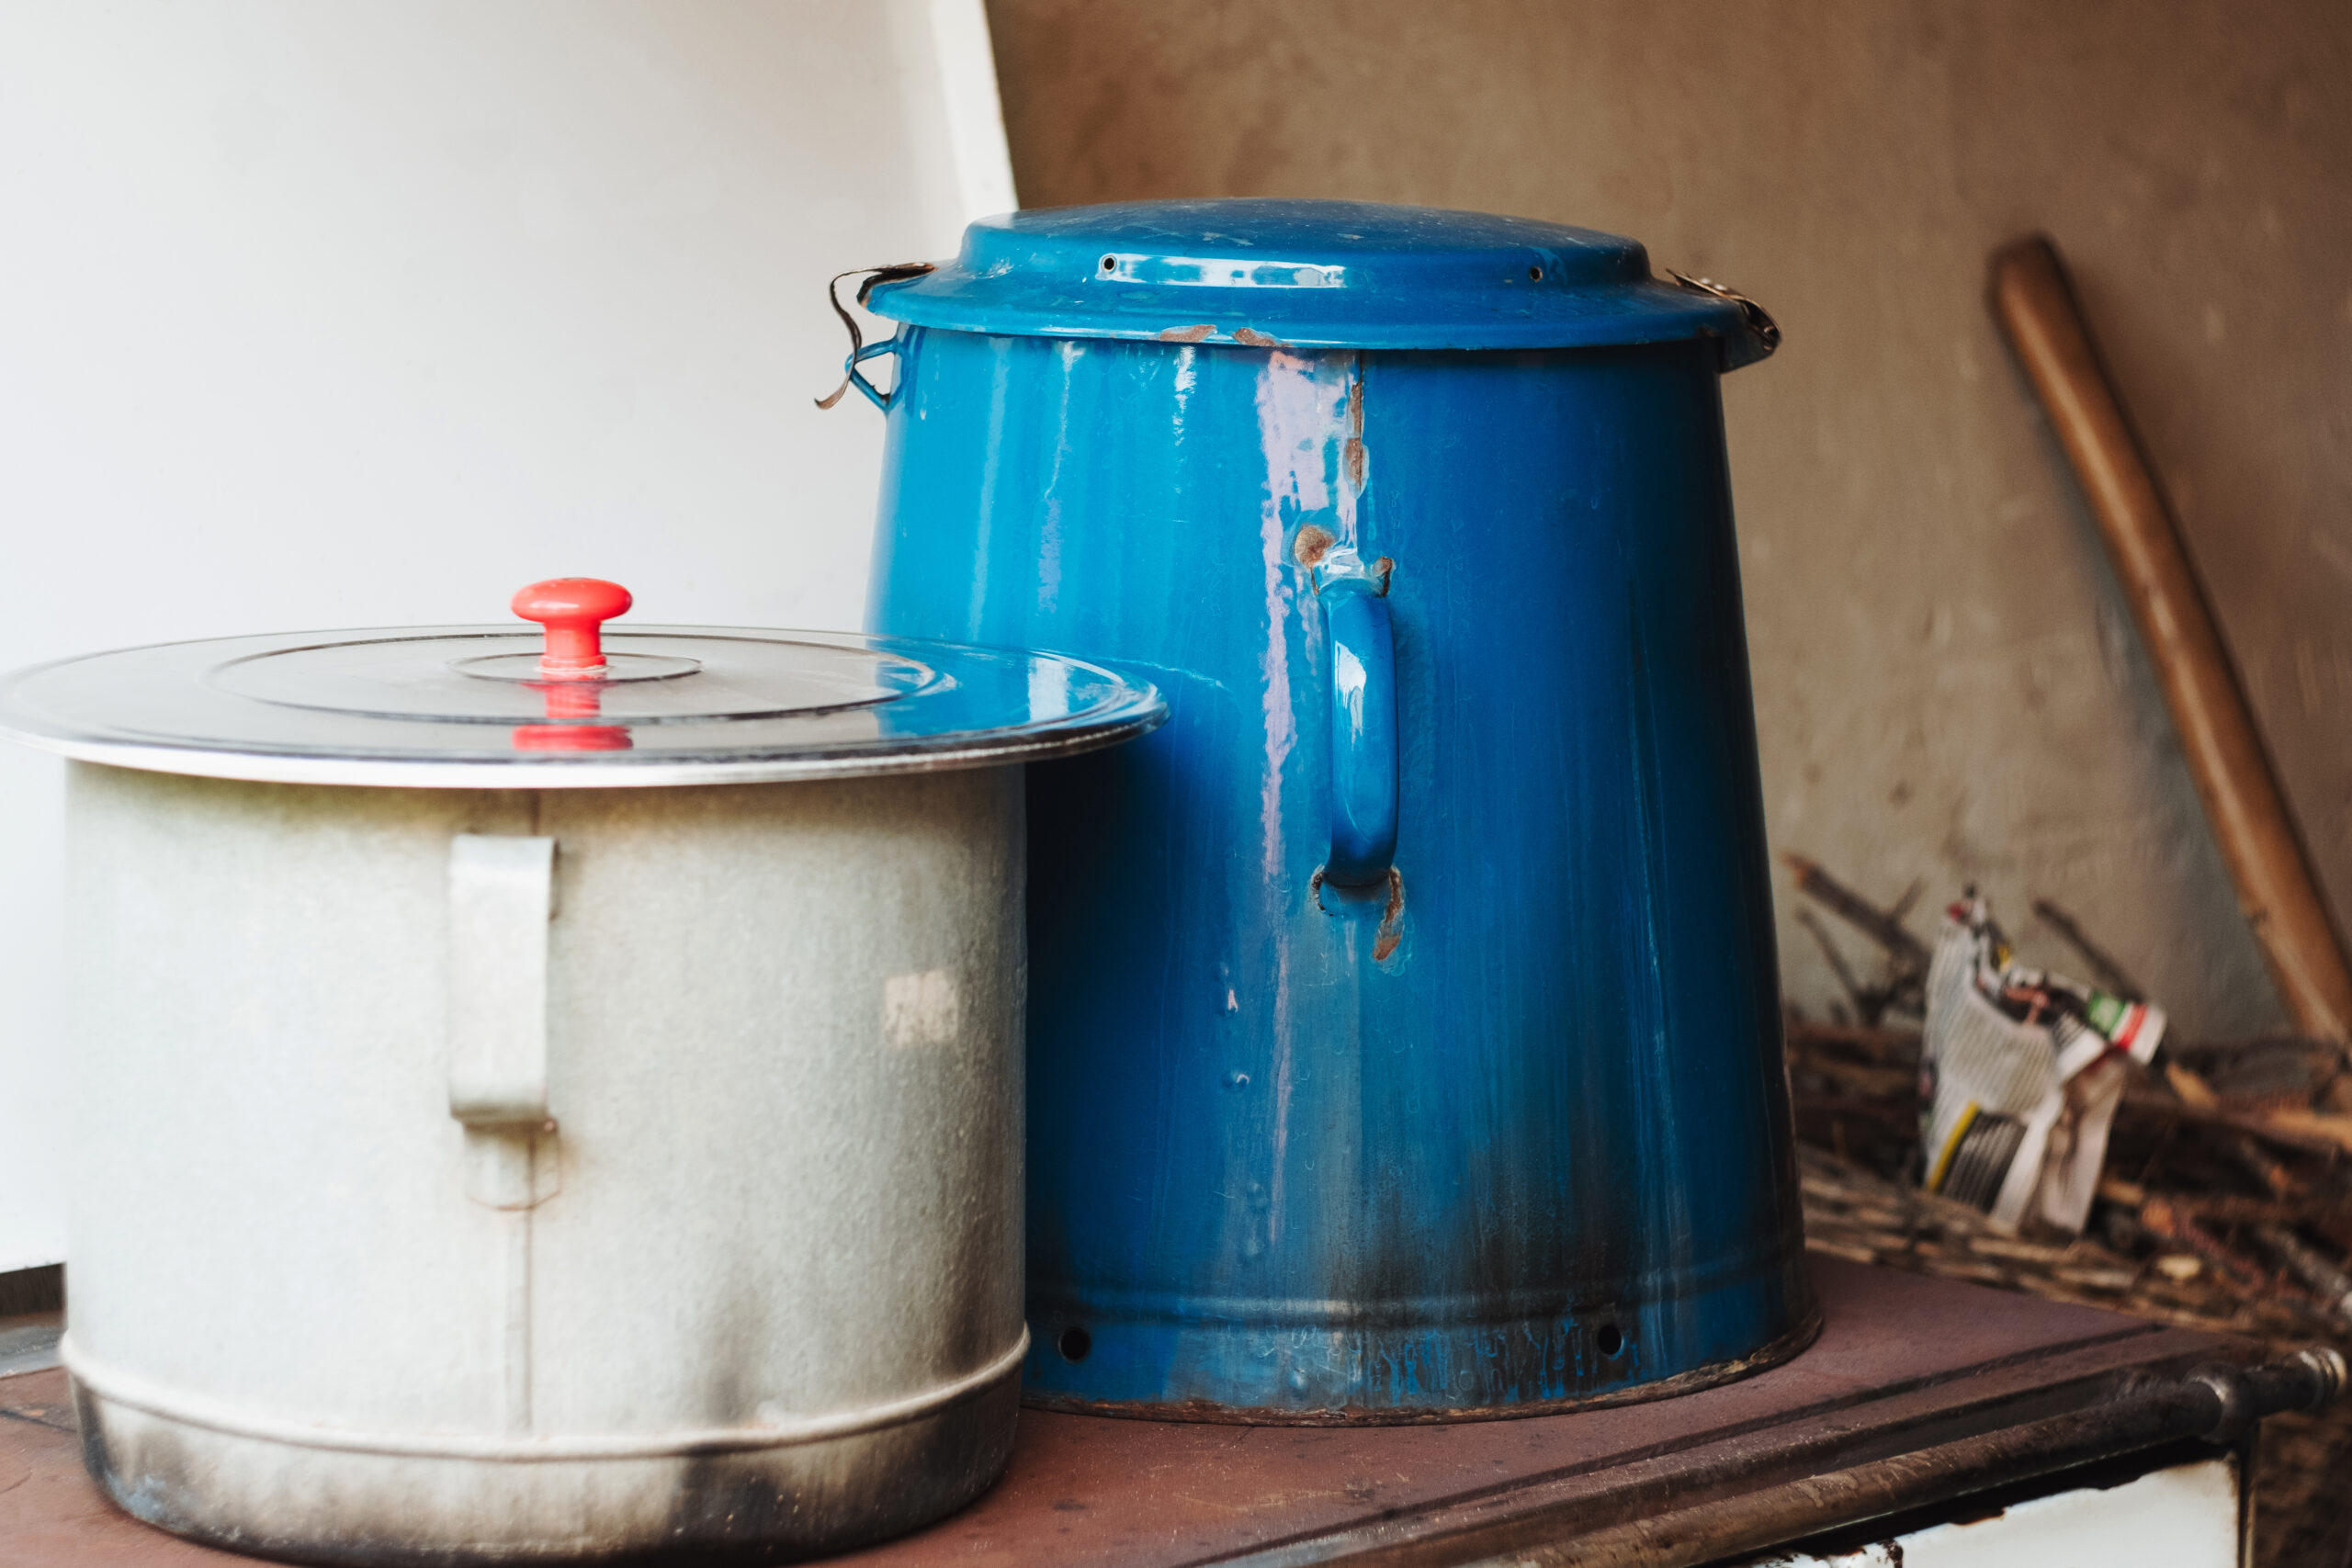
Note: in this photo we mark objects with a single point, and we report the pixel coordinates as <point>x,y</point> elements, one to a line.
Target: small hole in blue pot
<point>1075,1343</point>
<point>1611,1342</point>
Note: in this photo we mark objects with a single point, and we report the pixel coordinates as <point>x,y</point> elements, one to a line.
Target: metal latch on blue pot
<point>860,351</point>
<point>1763,331</point>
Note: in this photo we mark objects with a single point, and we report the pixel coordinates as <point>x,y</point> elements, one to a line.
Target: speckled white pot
<point>340,1294</point>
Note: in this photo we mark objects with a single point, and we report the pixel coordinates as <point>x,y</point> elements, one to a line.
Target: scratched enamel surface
<point>1511,1130</point>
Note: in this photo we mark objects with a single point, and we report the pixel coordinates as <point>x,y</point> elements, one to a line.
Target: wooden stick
<point>1900,1045</point>
<point>2035,304</point>
<point>1908,952</point>
<point>2230,1208</point>
<point>2328,1282</point>
<point>2144,1105</point>
<point>2104,969</point>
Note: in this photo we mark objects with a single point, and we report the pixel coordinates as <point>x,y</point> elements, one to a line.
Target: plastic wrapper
<point>2020,1073</point>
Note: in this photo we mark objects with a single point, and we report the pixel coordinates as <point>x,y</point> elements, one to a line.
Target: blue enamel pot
<point>1403,1027</point>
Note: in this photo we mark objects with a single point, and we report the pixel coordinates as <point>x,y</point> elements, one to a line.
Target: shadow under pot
<point>550,1102</point>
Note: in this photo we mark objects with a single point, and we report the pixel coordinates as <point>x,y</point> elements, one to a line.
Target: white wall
<point>368,312</point>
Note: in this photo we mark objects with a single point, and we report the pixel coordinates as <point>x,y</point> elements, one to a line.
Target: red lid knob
<point>572,737</point>
<point>573,610</point>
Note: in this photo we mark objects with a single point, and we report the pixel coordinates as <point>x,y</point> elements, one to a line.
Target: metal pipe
<point>2216,1402</point>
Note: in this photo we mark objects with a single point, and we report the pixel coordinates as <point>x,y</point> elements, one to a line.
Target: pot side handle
<point>1364,718</point>
<point>502,895</point>
<point>860,351</point>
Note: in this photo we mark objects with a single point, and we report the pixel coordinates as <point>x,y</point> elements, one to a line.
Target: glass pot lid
<point>572,704</point>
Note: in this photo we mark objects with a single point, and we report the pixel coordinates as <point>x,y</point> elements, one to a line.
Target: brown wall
<point>1947,682</point>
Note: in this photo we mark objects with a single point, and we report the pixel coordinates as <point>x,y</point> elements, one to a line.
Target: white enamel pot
<point>558,1139</point>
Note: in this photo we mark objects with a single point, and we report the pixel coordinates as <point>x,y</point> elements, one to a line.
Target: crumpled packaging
<point>2020,1073</point>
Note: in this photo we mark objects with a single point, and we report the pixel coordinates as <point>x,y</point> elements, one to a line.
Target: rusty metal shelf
<point>1917,1390</point>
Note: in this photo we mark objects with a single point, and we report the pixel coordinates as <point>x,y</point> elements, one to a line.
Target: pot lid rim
<point>1413,278</point>
<point>589,771</point>
<point>1121,708</point>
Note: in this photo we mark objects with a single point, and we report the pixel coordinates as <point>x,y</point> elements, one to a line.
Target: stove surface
<point>1903,1364</point>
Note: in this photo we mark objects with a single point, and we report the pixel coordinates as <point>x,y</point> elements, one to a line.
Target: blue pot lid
<point>1314,274</point>
<point>496,708</point>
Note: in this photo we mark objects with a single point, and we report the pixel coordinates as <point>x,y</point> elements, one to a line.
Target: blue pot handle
<point>853,377</point>
<point>1364,718</point>
<point>860,351</point>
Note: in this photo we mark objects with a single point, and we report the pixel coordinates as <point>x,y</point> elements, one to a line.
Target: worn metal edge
<point>1142,711</point>
<point>1790,1510</point>
<point>742,1507</point>
<point>602,772</point>
<point>1713,1375</point>
<point>1633,313</point>
<point>31,1347</point>
<point>1648,1510</point>
<point>112,1386</point>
